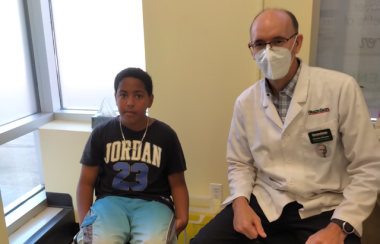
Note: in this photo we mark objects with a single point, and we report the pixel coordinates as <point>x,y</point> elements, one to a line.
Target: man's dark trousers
<point>288,229</point>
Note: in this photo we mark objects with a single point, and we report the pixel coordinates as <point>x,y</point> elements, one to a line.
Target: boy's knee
<point>101,240</point>
<point>96,238</point>
<point>107,240</point>
<point>153,240</point>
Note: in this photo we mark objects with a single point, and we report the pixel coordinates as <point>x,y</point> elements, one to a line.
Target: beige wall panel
<point>197,55</point>
<point>61,151</point>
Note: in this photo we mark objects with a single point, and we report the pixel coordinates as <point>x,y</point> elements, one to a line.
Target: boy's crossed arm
<point>181,200</point>
<point>85,190</point>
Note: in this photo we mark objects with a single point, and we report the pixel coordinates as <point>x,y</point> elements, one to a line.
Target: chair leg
<point>75,238</point>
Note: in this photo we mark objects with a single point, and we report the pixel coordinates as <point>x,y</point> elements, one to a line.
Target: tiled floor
<point>18,168</point>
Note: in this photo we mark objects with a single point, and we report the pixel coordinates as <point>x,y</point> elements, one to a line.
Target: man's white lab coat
<point>278,163</point>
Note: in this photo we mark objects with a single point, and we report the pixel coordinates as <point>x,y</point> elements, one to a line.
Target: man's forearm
<point>241,177</point>
<point>238,202</point>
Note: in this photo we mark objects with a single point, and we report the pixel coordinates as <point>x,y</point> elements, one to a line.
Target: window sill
<point>23,199</point>
<point>55,223</point>
<point>13,130</point>
<point>25,212</point>
<point>67,125</point>
<point>34,225</point>
<point>74,115</point>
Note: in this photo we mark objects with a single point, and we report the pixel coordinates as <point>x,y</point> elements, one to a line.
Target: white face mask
<point>275,62</point>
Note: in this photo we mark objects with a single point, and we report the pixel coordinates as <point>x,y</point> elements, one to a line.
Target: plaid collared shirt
<point>285,97</point>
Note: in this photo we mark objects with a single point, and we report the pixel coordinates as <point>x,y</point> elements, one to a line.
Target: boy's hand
<point>181,200</point>
<point>180,226</point>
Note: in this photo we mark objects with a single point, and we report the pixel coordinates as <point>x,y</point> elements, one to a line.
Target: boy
<point>134,163</point>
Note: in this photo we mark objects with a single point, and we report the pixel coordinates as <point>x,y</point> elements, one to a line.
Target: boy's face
<point>132,99</point>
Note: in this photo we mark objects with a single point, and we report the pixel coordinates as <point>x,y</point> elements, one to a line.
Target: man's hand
<point>332,234</point>
<point>246,220</point>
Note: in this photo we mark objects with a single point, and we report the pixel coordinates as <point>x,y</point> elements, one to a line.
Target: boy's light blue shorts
<point>122,220</point>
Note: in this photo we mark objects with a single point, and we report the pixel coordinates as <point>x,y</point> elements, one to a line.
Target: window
<point>17,87</point>
<point>349,42</point>
<point>22,97</point>
<point>20,169</point>
<point>92,50</point>
<point>73,70</point>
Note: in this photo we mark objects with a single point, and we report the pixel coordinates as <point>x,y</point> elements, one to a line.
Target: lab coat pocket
<point>324,150</point>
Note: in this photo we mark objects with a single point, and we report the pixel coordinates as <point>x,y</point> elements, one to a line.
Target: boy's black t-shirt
<point>141,173</point>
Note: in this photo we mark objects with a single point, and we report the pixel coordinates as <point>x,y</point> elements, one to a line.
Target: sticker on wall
<point>323,151</point>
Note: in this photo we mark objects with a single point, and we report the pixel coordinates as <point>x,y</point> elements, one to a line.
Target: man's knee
<point>199,240</point>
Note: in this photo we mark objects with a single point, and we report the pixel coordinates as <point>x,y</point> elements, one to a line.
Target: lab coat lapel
<point>269,107</point>
<point>299,95</point>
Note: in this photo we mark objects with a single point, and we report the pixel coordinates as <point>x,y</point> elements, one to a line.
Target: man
<point>282,191</point>
<point>322,151</point>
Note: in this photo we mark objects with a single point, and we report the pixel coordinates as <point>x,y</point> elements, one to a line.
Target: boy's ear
<point>151,98</point>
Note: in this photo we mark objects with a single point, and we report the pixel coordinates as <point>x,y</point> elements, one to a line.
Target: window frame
<point>37,21</point>
<point>40,34</point>
<point>45,76</point>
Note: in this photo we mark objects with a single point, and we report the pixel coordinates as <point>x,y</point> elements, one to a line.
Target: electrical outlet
<point>216,191</point>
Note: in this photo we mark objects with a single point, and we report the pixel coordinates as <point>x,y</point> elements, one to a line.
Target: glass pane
<point>17,91</point>
<point>20,170</point>
<point>349,42</point>
<point>93,45</point>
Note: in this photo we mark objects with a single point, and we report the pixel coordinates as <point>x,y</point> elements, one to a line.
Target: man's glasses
<point>276,42</point>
